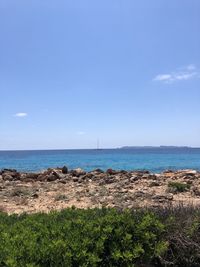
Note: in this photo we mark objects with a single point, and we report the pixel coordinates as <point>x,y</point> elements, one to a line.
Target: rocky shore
<point>55,189</point>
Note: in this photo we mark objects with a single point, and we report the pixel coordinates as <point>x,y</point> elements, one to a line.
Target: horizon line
<point>107,148</point>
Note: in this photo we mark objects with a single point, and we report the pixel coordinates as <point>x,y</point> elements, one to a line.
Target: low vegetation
<point>61,197</point>
<point>101,237</point>
<point>177,187</point>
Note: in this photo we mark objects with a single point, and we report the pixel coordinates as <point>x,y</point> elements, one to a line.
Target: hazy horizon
<point>75,71</point>
<point>104,148</point>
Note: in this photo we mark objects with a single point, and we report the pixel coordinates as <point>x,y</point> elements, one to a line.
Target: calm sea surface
<point>153,159</point>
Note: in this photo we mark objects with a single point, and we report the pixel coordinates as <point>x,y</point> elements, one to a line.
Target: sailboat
<point>98,146</point>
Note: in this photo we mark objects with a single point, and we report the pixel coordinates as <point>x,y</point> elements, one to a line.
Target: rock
<point>78,172</point>
<point>109,180</point>
<point>139,194</point>
<point>153,177</point>
<point>123,172</point>
<point>149,176</point>
<point>42,177</point>
<point>170,197</point>
<point>8,170</point>
<point>10,175</point>
<point>89,175</point>
<point>127,175</point>
<point>35,195</point>
<point>154,183</point>
<point>106,179</point>
<point>51,177</point>
<point>190,182</point>
<point>29,176</point>
<point>146,176</point>
<point>191,178</point>
<point>189,172</point>
<point>62,181</point>
<point>33,176</point>
<point>98,177</point>
<point>126,182</point>
<point>102,183</point>
<point>123,191</point>
<point>7,177</point>
<point>58,174</point>
<point>84,177</point>
<point>196,191</point>
<point>163,198</point>
<point>75,179</point>
<point>168,171</point>
<point>64,170</point>
<point>97,171</point>
<point>110,171</point>
<point>134,178</point>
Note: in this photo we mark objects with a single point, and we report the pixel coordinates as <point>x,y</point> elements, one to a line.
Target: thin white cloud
<point>191,67</point>
<point>21,114</point>
<point>187,73</point>
<point>185,76</point>
<point>163,77</point>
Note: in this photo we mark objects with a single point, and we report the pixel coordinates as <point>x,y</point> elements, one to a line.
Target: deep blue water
<point>153,159</point>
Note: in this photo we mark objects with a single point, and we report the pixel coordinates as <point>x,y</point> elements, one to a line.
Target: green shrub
<point>102,237</point>
<point>98,237</point>
<point>177,187</point>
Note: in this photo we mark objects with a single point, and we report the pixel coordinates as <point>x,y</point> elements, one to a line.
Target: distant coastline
<point>159,147</point>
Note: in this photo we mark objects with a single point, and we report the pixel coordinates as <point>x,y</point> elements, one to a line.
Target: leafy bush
<point>177,187</point>
<point>102,237</point>
<point>99,237</point>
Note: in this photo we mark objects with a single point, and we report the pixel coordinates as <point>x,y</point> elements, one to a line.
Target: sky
<point>74,71</point>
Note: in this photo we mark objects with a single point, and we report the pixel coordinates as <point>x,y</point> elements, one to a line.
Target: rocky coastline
<point>59,188</point>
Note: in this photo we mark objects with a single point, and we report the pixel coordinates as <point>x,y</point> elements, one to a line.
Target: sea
<point>151,159</point>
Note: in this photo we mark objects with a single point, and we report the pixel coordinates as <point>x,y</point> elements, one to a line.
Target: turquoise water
<point>152,159</point>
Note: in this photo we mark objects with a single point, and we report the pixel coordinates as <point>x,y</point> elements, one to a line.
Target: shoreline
<point>56,189</point>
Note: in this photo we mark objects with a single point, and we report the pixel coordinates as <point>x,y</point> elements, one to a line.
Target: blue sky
<point>126,72</point>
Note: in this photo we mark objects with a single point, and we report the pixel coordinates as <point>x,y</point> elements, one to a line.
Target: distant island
<point>162,147</point>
